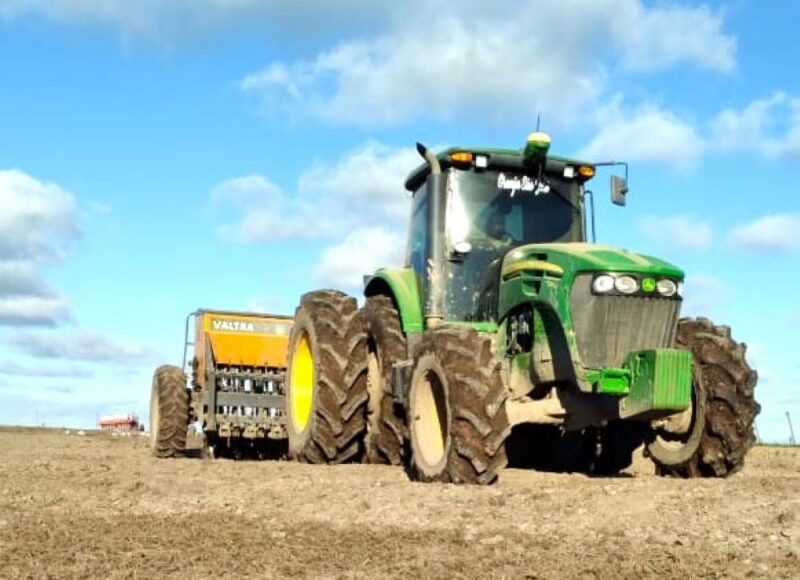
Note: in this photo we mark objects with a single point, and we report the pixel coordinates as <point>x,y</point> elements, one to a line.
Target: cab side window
<point>418,234</point>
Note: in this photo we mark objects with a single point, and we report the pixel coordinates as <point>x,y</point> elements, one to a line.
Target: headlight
<point>603,284</point>
<point>667,287</point>
<point>626,285</point>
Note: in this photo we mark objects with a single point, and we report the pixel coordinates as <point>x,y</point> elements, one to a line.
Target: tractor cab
<point>491,201</point>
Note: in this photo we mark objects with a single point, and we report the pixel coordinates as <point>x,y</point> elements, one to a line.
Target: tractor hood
<point>568,259</point>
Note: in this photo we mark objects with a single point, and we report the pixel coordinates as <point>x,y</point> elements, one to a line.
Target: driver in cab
<point>495,236</point>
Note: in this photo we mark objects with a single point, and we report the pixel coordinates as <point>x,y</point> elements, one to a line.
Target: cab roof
<point>498,158</point>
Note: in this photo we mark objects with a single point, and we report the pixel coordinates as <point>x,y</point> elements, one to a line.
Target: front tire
<point>457,416</point>
<point>720,419</point>
<point>326,380</point>
<point>169,412</point>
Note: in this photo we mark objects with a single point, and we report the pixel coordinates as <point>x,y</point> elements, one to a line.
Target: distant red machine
<point>118,423</point>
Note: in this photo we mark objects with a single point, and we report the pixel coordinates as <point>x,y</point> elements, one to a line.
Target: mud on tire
<point>328,427</point>
<point>723,407</point>
<point>457,417</point>
<point>386,345</point>
<point>169,412</point>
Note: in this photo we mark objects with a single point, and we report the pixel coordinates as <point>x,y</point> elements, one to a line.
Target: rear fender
<point>402,285</point>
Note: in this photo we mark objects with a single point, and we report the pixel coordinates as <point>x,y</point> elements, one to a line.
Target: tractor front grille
<point>607,328</point>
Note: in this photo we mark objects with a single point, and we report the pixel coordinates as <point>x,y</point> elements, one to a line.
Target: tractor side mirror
<point>619,188</point>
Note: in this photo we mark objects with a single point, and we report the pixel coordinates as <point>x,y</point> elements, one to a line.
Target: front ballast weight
<point>651,385</point>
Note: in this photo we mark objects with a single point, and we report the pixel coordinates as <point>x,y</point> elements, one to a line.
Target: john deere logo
<point>648,285</point>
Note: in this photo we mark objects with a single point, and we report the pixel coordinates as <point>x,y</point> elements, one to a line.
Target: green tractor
<point>506,334</point>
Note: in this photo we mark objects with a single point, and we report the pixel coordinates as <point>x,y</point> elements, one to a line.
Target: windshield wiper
<point>560,195</point>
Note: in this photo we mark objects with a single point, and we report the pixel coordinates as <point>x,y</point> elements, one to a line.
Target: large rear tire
<point>326,389</point>
<point>169,412</point>
<point>386,345</point>
<point>718,427</point>
<point>457,416</point>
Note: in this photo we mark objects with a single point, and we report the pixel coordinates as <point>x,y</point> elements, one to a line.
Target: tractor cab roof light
<point>461,158</point>
<point>481,161</point>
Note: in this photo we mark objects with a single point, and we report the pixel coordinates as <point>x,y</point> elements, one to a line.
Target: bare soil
<point>97,506</point>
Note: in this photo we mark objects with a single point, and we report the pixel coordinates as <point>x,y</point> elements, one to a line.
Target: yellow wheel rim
<point>430,421</point>
<point>301,383</point>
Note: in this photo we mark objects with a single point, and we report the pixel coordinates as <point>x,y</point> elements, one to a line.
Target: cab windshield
<point>494,211</point>
<point>502,209</point>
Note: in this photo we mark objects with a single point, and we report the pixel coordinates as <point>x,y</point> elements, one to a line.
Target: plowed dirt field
<point>97,506</point>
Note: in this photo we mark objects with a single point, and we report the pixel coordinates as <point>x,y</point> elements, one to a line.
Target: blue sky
<point>169,155</point>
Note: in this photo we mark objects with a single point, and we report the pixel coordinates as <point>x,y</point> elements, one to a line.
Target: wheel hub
<point>301,383</point>
<point>429,423</point>
<point>373,389</point>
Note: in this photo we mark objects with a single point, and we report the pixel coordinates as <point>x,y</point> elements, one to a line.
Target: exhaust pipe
<point>434,274</point>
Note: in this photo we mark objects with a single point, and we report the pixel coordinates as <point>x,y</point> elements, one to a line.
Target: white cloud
<point>769,232</point>
<point>262,211</point>
<point>769,126</point>
<point>743,129</point>
<point>37,221</point>
<point>367,181</point>
<point>271,305</point>
<point>492,61</point>
<point>20,278</point>
<point>704,295</point>
<point>55,372</point>
<point>81,345</point>
<point>647,133</point>
<point>684,231</point>
<point>361,252</point>
<point>356,205</point>
<point>659,36</point>
<point>33,310</point>
<point>176,19</point>
<point>364,186</point>
<point>36,217</point>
